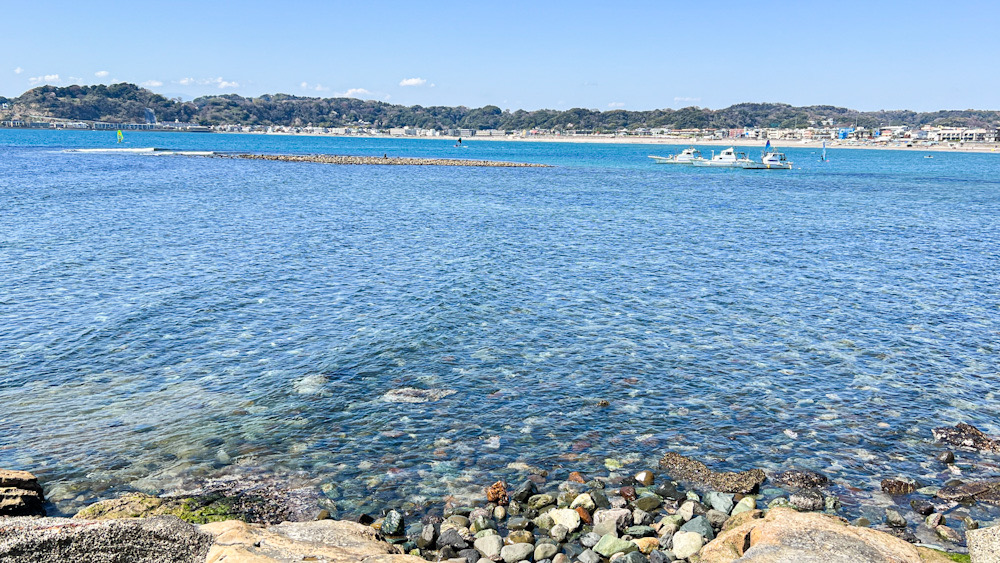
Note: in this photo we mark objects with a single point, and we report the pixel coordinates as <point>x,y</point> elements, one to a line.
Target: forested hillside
<point>127,103</point>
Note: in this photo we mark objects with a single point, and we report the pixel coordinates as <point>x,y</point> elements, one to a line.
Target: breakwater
<point>385,160</point>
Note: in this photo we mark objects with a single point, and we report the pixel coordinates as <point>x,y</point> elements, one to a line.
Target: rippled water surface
<point>164,317</point>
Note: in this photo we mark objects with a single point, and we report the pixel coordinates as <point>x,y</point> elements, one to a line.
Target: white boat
<point>686,156</point>
<point>770,161</point>
<point>728,158</point>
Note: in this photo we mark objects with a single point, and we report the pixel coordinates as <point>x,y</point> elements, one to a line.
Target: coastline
<point>988,148</point>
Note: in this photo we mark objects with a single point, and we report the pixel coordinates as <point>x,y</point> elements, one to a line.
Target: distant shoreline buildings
<point>889,134</point>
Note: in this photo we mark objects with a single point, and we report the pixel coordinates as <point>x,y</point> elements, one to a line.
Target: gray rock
<point>519,524</point>
<point>948,534</point>
<point>641,517</point>
<point>633,557</point>
<point>481,523</point>
<point>809,499</point>
<point>894,519</point>
<point>723,502</point>
<point>946,457</point>
<point>686,544</point>
<point>559,533</point>
<point>427,537</point>
<point>470,555</point>
<point>669,491</point>
<point>615,519</point>
<point>700,525</point>
<point>540,501</point>
<point>690,509</point>
<point>934,519</point>
<point>660,557</point>
<point>589,539</point>
<point>545,551</point>
<point>717,518</point>
<point>589,556</point>
<point>567,517</point>
<point>489,546</point>
<point>526,490</point>
<point>155,539</point>
<point>561,558</point>
<point>600,498</point>
<point>900,486</point>
<point>517,552</point>
<point>451,538</point>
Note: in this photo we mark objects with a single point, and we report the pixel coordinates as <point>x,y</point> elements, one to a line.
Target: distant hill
<point>127,102</point>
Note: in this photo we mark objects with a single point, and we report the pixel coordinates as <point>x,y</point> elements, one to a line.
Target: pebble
<point>948,534</point>
<point>641,517</point>
<point>809,499</point>
<point>516,552</point>
<point>520,536</point>
<point>589,556</point>
<point>648,503</point>
<point>723,502</point>
<point>489,546</point>
<point>645,478</point>
<point>566,517</point>
<point>946,457</point>
<point>609,545</point>
<point>584,501</point>
<point>686,544</point>
<point>589,539</point>
<point>545,551</point>
<point>561,558</point>
<point>700,525</point>
<point>934,519</point>
<point>559,533</point>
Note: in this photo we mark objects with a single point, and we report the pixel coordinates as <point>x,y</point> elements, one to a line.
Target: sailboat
<point>121,138</point>
<point>824,158</point>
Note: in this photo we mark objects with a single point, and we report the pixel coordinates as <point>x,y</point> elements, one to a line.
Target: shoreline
<point>617,505</point>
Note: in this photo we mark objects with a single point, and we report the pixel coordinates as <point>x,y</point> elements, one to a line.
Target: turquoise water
<point>166,317</point>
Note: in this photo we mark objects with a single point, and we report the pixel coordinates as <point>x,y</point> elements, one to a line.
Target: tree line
<point>127,103</point>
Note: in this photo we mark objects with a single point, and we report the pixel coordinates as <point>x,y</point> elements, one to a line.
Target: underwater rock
<point>687,469</point>
<point>413,395</point>
<point>966,436</point>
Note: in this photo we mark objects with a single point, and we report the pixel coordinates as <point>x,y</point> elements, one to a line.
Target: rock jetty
<point>382,161</point>
<point>20,494</point>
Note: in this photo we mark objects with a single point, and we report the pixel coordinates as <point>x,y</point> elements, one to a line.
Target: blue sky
<point>520,55</point>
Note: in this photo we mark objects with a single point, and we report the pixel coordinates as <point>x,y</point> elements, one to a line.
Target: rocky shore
<point>383,161</point>
<point>680,511</point>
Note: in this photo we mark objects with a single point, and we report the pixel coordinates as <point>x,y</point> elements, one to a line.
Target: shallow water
<point>165,317</point>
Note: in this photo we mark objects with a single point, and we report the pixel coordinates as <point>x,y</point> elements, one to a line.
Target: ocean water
<point>165,318</point>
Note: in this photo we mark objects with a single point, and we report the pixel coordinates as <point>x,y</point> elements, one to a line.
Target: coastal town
<point>897,136</point>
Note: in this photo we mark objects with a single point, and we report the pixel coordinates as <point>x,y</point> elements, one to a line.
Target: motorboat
<point>728,158</point>
<point>769,161</point>
<point>686,156</point>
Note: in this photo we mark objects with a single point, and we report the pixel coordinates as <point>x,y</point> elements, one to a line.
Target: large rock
<point>687,469</point>
<point>966,436</point>
<point>333,541</point>
<point>800,479</point>
<point>984,544</point>
<point>20,494</point>
<point>981,491</point>
<point>785,535</point>
<point>686,544</point>
<point>612,520</point>
<point>610,545</point>
<point>158,539</point>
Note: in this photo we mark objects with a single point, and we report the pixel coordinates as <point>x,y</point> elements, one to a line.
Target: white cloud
<point>354,93</point>
<point>18,70</point>
<point>101,73</point>
<point>225,83</point>
<point>47,79</point>
<point>219,82</point>
<point>186,81</point>
<point>151,84</point>
<point>412,82</point>
<point>317,87</point>
<point>616,105</point>
<point>686,99</point>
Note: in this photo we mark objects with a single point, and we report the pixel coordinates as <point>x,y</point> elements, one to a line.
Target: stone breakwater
<point>383,161</point>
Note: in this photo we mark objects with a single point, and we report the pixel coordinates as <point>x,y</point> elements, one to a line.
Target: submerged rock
<point>899,486</point>
<point>687,469</point>
<point>966,436</point>
<point>412,395</point>
<point>980,491</point>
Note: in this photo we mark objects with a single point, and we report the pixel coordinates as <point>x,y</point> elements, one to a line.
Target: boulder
<point>807,499</point>
<point>687,469</point>
<point>984,544</point>
<point>20,494</point>
<point>158,539</point>
<point>333,541</point>
<point>567,517</point>
<point>686,544</point>
<point>787,535</point>
<point>489,547</point>
<point>966,436</point>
